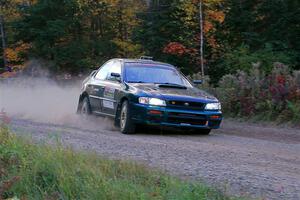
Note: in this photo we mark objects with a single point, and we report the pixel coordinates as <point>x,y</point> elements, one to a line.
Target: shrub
<point>271,96</point>
<point>243,59</point>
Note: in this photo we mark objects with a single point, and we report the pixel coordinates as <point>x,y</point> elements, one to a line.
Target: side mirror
<point>197,82</point>
<point>115,76</point>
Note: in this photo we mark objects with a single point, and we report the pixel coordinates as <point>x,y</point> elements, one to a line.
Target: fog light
<point>215,117</point>
<point>155,112</point>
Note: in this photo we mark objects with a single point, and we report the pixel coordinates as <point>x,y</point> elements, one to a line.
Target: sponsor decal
<point>108,104</point>
<point>109,93</point>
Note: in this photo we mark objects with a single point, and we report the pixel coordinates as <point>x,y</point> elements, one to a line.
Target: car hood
<point>174,93</point>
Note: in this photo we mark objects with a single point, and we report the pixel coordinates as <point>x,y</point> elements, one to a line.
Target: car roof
<point>144,61</point>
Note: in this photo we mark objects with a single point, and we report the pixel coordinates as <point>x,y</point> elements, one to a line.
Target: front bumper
<point>164,116</point>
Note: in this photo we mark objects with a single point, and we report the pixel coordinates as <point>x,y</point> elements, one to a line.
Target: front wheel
<point>85,107</point>
<point>126,124</point>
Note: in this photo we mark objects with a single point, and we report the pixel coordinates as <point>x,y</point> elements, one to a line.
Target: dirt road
<point>240,158</point>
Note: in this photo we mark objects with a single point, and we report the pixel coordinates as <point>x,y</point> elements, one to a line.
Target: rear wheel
<point>126,124</point>
<point>85,107</point>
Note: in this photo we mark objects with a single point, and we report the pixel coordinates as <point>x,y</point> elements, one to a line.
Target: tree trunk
<point>201,38</point>
<point>3,39</point>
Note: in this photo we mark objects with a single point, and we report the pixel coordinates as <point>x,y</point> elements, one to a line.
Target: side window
<point>115,68</point>
<point>104,70</point>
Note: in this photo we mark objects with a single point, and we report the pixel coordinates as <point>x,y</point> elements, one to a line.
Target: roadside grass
<point>32,171</point>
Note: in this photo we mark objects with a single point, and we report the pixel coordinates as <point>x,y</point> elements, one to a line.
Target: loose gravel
<point>240,159</point>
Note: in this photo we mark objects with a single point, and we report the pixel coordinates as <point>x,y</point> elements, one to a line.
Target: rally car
<point>146,92</point>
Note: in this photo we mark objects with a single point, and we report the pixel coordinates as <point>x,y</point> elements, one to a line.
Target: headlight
<point>213,106</point>
<point>152,101</point>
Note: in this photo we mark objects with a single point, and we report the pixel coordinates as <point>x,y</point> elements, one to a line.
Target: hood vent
<point>172,86</point>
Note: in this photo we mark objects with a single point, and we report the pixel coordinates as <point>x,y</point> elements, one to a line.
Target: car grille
<point>187,118</point>
<point>186,105</point>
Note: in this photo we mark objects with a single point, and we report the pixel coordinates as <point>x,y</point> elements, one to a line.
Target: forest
<point>251,48</point>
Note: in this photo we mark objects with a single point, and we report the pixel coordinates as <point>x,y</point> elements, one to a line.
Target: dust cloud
<point>46,101</point>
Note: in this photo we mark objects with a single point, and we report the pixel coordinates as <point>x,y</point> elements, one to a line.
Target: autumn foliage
<point>272,96</point>
<point>175,48</point>
<point>16,54</point>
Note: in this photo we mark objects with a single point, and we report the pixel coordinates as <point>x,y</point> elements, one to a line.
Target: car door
<point>96,87</point>
<point>111,89</point>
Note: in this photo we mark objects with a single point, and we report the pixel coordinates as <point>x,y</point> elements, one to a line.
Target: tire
<point>85,109</point>
<point>126,124</point>
<point>202,131</point>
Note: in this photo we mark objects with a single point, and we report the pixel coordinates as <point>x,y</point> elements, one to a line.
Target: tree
<point>3,42</point>
<point>9,11</point>
<point>172,26</point>
<point>77,34</point>
<point>268,27</point>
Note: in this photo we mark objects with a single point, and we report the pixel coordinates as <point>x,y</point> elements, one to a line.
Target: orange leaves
<point>217,16</point>
<point>13,55</point>
<point>211,18</point>
<point>178,49</point>
<point>175,48</point>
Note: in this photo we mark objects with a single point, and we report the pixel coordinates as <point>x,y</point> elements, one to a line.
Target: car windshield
<point>150,73</point>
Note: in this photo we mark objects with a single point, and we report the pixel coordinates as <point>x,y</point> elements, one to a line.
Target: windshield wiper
<point>136,82</point>
<point>171,85</point>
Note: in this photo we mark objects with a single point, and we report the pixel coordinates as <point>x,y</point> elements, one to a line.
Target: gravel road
<point>241,159</point>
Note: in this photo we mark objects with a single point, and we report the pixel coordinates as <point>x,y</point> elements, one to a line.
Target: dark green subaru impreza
<point>145,92</point>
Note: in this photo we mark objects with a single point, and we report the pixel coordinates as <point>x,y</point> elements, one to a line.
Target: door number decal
<point>108,104</point>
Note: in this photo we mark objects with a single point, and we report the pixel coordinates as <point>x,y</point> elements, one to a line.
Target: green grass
<point>31,171</point>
